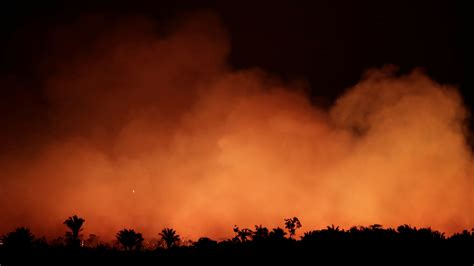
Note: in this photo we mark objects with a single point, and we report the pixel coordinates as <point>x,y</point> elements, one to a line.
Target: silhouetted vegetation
<point>241,235</point>
<point>260,234</point>
<point>129,239</point>
<point>19,240</point>
<point>291,225</point>
<point>169,236</point>
<point>358,243</point>
<point>74,223</point>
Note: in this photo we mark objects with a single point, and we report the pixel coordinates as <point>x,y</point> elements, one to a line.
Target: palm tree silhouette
<point>333,229</point>
<point>170,237</point>
<point>74,223</point>
<point>129,239</point>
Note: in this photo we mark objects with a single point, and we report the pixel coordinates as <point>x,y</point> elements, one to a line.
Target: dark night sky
<point>328,43</point>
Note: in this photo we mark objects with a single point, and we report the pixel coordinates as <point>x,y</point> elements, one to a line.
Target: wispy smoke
<point>148,126</point>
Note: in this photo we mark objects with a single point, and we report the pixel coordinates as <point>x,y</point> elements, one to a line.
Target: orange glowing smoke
<point>150,127</point>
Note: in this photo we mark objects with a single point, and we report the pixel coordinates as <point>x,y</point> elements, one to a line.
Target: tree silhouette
<point>92,241</point>
<point>205,243</point>
<point>329,242</point>
<point>260,233</point>
<point>241,234</point>
<point>375,227</point>
<point>292,224</point>
<point>74,224</point>
<point>129,239</point>
<point>332,228</point>
<point>170,237</point>
<point>329,234</point>
<point>277,234</point>
<point>19,240</point>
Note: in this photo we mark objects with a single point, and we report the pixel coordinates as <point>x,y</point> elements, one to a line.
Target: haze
<point>149,126</point>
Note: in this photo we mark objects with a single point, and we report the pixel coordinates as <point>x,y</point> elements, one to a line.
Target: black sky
<point>328,43</point>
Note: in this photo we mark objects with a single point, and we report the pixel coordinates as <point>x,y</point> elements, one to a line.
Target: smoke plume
<point>148,126</point>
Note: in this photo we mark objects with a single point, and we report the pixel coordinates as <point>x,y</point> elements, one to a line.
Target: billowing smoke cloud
<point>148,126</point>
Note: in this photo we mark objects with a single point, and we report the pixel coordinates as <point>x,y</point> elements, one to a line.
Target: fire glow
<point>202,147</point>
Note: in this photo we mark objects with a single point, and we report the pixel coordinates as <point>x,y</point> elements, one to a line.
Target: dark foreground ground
<point>309,252</point>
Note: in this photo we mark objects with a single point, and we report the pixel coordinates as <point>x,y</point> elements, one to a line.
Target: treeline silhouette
<point>260,244</point>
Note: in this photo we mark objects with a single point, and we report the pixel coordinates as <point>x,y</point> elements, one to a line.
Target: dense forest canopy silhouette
<point>147,131</point>
<point>276,244</point>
